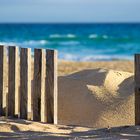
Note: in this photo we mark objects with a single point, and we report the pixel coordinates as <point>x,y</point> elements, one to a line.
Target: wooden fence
<point>28,83</point>
<point>137,89</point>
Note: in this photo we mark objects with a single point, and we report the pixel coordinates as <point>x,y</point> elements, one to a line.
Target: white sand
<point>96,98</point>
<point>26,130</point>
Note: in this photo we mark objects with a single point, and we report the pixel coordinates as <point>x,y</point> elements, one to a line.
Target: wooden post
<point>51,86</point>
<point>3,79</point>
<point>137,89</point>
<point>43,84</point>
<point>25,83</point>
<point>39,85</point>
<point>13,83</point>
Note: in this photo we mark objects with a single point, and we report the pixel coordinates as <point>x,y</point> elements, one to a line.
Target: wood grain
<point>25,83</point>
<point>3,79</point>
<point>13,83</point>
<point>137,89</point>
<point>39,84</point>
<point>51,86</point>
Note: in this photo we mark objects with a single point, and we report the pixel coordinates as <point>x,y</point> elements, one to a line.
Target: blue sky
<point>69,10</point>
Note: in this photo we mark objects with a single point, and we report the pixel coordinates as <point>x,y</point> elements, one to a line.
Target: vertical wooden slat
<point>137,89</point>
<point>51,86</point>
<point>13,83</point>
<point>25,83</point>
<point>43,84</point>
<point>3,78</point>
<point>55,89</point>
<point>17,93</point>
<point>39,83</point>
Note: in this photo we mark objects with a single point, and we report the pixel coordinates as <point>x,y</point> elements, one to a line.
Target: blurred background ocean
<point>78,42</point>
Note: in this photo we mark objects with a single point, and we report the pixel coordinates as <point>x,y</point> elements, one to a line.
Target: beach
<point>95,79</point>
<point>69,70</point>
<point>68,67</point>
<point>11,129</point>
<point>96,101</point>
<point>96,94</point>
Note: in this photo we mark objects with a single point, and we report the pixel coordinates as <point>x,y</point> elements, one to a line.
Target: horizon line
<point>137,22</point>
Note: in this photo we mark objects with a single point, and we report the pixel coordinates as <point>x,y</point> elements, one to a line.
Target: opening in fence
<point>25,91</point>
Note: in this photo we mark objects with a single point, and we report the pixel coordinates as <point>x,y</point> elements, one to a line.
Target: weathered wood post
<point>39,85</point>
<point>51,86</point>
<point>13,81</point>
<point>25,83</point>
<point>3,79</point>
<point>137,89</point>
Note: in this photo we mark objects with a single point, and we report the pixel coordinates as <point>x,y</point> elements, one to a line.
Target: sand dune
<point>96,98</point>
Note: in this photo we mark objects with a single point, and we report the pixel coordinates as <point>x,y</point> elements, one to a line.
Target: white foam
<point>8,43</point>
<point>93,36</point>
<point>43,42</point>
<point>73,57</point>
<point>105,36</point>
<point>71,36</point>
<point>26,43</point>
<point>62,36</point>
<point>67,56</point>
<point>35,42</point>
<point>55,36</point>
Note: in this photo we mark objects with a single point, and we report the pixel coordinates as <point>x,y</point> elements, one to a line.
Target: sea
<point>76,42</point>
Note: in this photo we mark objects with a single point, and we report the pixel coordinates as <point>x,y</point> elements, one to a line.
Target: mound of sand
<point>96,98</point>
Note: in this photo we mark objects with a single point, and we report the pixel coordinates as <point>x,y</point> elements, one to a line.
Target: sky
<point>69,11</point>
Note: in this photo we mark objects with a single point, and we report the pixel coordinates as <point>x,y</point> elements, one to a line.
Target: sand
<point>11,129</point>
<point>96,98</point>
<point>68,67</point>
<point>96,101</point>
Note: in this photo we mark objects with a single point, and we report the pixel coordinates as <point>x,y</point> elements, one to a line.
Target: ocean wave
<point>67,56</point>
<point>55,36</point>
<point>67,43</point>
<point>95,36</point>
<point>71,36</point>
<point>9,43</point>
<point>105,36</point>
<point>35,42</point>
<point>69,51</point>
<point>26,43</point>
<point>62,36</point>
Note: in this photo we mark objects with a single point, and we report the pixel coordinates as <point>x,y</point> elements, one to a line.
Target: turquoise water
<point>78,42</point>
